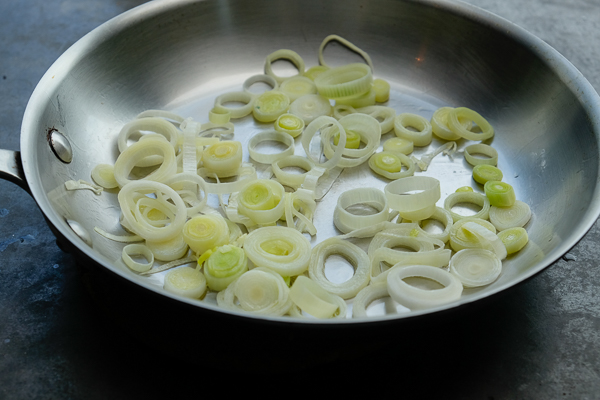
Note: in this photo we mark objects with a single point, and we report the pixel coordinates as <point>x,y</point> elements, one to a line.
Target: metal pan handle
<point>11,168</point>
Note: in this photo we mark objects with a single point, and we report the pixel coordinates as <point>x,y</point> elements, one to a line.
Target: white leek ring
<point>283,54</point>
<point>260,78</point>
<point>269,158</point>
<point>346,221</point>
<point>351,252</point>
<point>268,106</point>
<point>514,216</point>
<point>423,134</point>
<point>320,124</point>
<point>187,282</point>
<point>366,296</point>
<point>134,250</point>
<point>416,298</point>
<point>480,148</point>
<point>310,106</point>
<point>455,116</point>
<point>418,205</point>
<point>349,80</point>
<point>475,267</point>
<point>346,43</point>
<point>155,125</point>
<point>134,154</point>
<point>235,97</point>
<point>477,199</point>
<point>316,301</point>
<point>297,86</point>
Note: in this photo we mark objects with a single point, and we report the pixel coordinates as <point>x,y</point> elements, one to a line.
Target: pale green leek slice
<point>223,158</point>
<point>414,197</point>
<point>268,106</point>
<point>439,124</point>
<point>203,232</point>
<point>352,139</point>
<point>315,71</point>
<point>246,98</point>
<point>420,135</point>
<point>137,250</point>
<point>291,124</point>
<point>366,296</point>
<point>142,127</point>
<point>267,80</point>
<point>133,155</point>
<point>514,216</point>
<point>270,136</point>
<point>501,194</point>
<point>346,43</point>
<point>461,239</point>
<point>262,200</point>
<point>483,173</point>
<point>382,90</point>
<point>168,250</point>
<point>491,155</point>
<point>322,124</point>
<point>292,179</point>
<point>369,131</point>
<point>464,189</point>
<point>487,239</point>
<point>514,239</point>
<point>224,266</point>
<point>390,165</point>
<point>475,267</point>
<point>187,282</point>
<point>297,86</point>
<point>284,54</point>
<point>364,100</point>
<point>310,107</point>
<point>456,116</point>
<point>385,116</point>
<point>219,116</point>
<point>398,145</point>
<point>350,80</point>
<point>281,249</point>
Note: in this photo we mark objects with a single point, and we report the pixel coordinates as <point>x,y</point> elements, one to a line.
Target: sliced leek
<point>501,194</point>
<point>484,172</point>
<point>390,165</point>
<point>351,252</point>
<point>270,136</point>
<point>491,155</point>
<point>382,90</point>
<point>291,124</point>
<point>346,43</point>
<point>487,239</point>
<point>223,158</point>
<point>283,54</point>
<point>291,179</point>
<point>310,107</point>
<point>475,267</point>
<point>462,239</point>
<point>414,197</point>
<point>421,133</point>
<point>398,145</point>
<point>259,291</point>
<point>168,250</point>
<point>347,81</point>
<point>224,266</point>
<point>261,200</point>
<point>322,125</point>
<point>439,124</point>
<point>514,239</point>
<point>297,86</point>
<point>260,78</point>
<point>371,199</point>
<point>416,298</point>
<point>205,232</point>
<point>104,175</point>
<point>315,71</point>
<point>369,131</point>
<point>137,250</point>
<point>385,115</point>
<point>442,216</point>
<point>366,296</point>
<point>312,299</point>
<point>154,125</point>
<point>467,197</point>
<point>268,106</point>
<point>281,249</point>
<point>514,216</point>
<point>134,154</point>
<point>246,98</point>
<point>456,117</point>
<point>364,100</point>
<point>186,282</point>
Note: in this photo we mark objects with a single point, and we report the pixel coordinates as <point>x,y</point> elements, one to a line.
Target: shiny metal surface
<point>180,55</point>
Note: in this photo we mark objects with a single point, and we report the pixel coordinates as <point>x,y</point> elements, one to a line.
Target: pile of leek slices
<point>252,252</point>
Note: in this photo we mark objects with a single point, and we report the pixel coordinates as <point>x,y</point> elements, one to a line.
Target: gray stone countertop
<point>541,340</point>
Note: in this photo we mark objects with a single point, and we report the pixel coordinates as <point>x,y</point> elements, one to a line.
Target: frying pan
<point>179,55</point>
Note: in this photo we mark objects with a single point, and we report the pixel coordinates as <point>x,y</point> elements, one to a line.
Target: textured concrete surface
<point>540,340</point>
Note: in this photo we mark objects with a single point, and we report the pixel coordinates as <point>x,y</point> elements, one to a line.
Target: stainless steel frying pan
<point>178,55</point>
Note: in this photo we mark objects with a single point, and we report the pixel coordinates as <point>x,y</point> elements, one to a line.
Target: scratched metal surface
<point>544,336</point>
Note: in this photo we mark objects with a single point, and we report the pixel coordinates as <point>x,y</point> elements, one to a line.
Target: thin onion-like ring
<point>268,106</point>
<point>292,263</point>
<point>283,54</point>
<point>289,123</point>
<point>471,198</point>
<point>455,116</point>
<point>346,43</point>
<point>423,135</point>
<point>168,250</point>
<point>247,172</point>
<point>187,282</point>
<point>418,299</point>
<point>514,216</point>
<point>219,116</point>
<point>354,254</point>
<point>196,199</point>
<point>370,133</point>
<point>104,175</point>
<point>404,160</point>
<point>366,296</point>
<point>137,152</point>
<point>293,180</point>
<point>349,80</point>
<point>151,124</point>
<point>387,115</point>
<point>318,125</point>
<point>458,239</point>
<point>442,215</point>
<point>137,249</point>
<point>480,148</point>
<point>297,86</point>
<point>269,80</point>
<point>347,222</point>
<point>263,216</point>
<point>439,124</point>
<point>415,206</point>
<point>270,158</point>
<point>237,97</point>
<point>143,228</point>
<point>364,100</point>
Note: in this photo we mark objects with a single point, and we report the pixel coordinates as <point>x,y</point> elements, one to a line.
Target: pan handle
<point>11,168</point>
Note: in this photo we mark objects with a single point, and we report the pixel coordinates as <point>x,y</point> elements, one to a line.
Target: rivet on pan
<point>80,231</point>
<point>60,145</point>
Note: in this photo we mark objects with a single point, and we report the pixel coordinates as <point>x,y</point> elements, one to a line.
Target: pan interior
<point>180,56</point>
